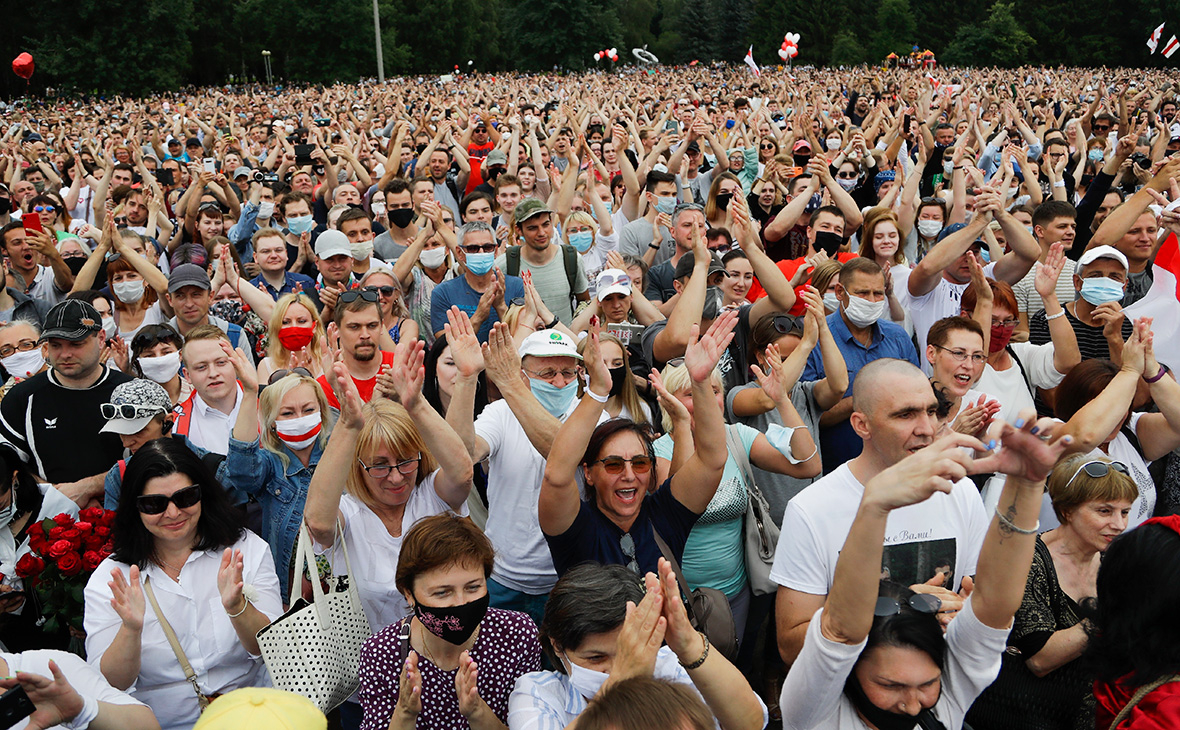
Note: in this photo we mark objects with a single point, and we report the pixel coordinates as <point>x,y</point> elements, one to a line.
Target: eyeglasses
<point>627,545</point>
<point>920,602</point>
<point>1098,469</point>
<point>961,355</point>
<point>43,208</point>
<point>766,147</point>
<point>155,504</point>
<point>1006,324</point>
<point>848,175</point>
<point>352,295</point>
<point>380,471</point>
<point>128,411</point>
<point>22,346</point>
<point>278,375</point>
<point>386,291</point>
<point>568,373</point>
<point>479,248</point>
<point>614,464</point>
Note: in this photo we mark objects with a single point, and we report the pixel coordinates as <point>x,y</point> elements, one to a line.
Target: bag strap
<point>512,261</point>
<point>570,261</point>
<point>738,450</point>
<point>174,642</point>
<point>1139,695</point>
<point>1023,372</point>
<point>667,553</point>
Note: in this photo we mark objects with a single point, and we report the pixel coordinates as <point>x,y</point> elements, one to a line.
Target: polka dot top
<point>506,649</point>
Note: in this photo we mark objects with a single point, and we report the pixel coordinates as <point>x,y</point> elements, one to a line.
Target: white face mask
<point>109,327</point>
<point>378,208</point>
<point>24,364</point>
<point>862,312</point>
<point>433,258</point>
<point>587,681</point>
<point>9,512</point>
<point>832,144</point>
<point>361,250</point>
<point>128,292</point>
<point>266,209</point>
<point>160,369</point>
<point>831,301</point>
<point>299,433</point>
<point>928,228</point>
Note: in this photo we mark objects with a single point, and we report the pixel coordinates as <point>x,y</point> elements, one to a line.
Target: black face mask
<point>453,624</point>
<point>713,301</point>
<point>618,377</point>
<point>884,719</point>
<point>75,264</point>
<point>420,148</point>
<point>828,242</point>
<point>5,206</point>
<point>723,200</point>
<point>801,160</point>
<point>401,217</point>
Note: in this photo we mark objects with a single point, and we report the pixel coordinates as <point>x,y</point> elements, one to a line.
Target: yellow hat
<point>262,707</point>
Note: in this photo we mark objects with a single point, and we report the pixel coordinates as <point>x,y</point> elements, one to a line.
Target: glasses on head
<point>1005,323</point>
<point>43,209</point>
<point>155,333</point>
<point>22,346</point>
<point>784,324</point>
<point>479,248</point>
<point>550,374</point>
<point>627,545</point>
<point>278,375</point>
<point>516,302</point>
<point>687,206</point>
<point>920,602</point>
<point>380,471</point>
<point>155,504</point>
<point>1098,469</point>
<point>614,464</point>
<point>352,295</point>
<point>614,279</point>
<point>128,411</point>
<point>961,355</point>
<point>675,362</point>
<point>385,291</point>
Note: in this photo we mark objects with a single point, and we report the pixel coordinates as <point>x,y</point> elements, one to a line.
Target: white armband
<point>83,719</point>
<point>780,438</point>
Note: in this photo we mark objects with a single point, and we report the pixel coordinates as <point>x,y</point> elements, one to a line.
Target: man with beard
<point>356,322</point>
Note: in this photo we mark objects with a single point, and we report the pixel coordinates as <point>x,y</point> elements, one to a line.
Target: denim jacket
<point>282,492</point>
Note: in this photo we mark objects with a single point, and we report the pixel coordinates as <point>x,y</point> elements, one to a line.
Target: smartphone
<point>303,154</point>
<point>671,125</point>
<point>210,165</point>
<point>32,222</point>
<point>15,706</point>
<point>322,122</point>
<point>164,176</point>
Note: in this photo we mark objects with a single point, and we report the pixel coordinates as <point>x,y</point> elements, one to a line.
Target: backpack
<point>569,255</point>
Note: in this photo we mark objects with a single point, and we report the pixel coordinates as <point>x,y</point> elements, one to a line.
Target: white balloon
<point>782,53</point>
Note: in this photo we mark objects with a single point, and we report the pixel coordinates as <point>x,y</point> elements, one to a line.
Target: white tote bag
<point>314,649</point>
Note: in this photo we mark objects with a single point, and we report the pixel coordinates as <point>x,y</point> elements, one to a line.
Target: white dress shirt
<point>209,427</point>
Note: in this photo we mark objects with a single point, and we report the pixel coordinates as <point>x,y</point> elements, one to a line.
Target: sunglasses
<point>766,146</point>
<point>920,602</point>
<point>1098,469</point>
<point>380,471</point>
<point>155,504</point>
<point>386,291</point>
<point>785,324</point>
<point>615,464</point>
<point>153,334</point>
<point>43,209</point>
<point>847,175</point>
<point>127,411</point>
<point>352,295</point>
<point>480,248</point>
<point>612,279</point>
<point>627,545</point>
<point>278,375</point>
<point>516,302</point>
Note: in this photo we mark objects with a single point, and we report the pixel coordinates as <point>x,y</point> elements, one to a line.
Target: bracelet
<point>1059,184</point>
<point>1012,526</point>
<point>552,324</point>
<point>597,397</point>
<point>239,613</point>
<point>1055,316</point>
<point>704,655</point>
<point>656,246</point>
<point>1162,372</point>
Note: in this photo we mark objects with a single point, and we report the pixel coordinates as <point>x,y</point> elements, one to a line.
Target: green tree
<point>896,30</point>
<point>847,50</point>
<point>564,33</point>
<point>732,19</point>
<point>997,41</point>
<point>694,25</point>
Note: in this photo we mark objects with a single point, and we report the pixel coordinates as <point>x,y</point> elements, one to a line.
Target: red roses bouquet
<point>64,552</point>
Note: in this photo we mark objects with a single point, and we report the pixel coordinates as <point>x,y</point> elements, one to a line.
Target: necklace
<point>426,648</point>
<point>168,566</point>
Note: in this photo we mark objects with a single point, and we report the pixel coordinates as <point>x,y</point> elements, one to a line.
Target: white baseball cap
<point>1103,252</point>
<point>612,281</point>
<point>549,343</point>
<point>332,243</point>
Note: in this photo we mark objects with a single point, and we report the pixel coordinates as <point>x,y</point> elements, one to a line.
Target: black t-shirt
<point>56,429</point>
<point>734,364</point>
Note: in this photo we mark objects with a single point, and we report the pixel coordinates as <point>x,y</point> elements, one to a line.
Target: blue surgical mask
<point>985,255</point>
<point>1095,155</point>
<point>480,263</point>
<point>583,241</point>
<point>553,399</point>
<point>666,204</point>
<point>300,224</point>
<point>1101,290</point>
<point>610,205</point>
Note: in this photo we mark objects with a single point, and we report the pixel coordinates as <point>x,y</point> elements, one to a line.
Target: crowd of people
<point>675,397</point>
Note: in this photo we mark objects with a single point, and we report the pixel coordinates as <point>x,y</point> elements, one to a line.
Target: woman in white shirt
<point>178,538</point>
<point>875,655</point>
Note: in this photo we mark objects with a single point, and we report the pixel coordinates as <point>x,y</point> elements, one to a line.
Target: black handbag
<point>707,608</point>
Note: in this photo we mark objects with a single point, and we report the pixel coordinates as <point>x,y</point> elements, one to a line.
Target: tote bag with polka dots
<point>314,649</point>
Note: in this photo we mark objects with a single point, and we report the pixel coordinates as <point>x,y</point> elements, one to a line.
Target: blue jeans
<point>504,597</point>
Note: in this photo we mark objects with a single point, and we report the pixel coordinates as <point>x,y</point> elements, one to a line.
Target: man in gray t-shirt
<point>542,254</point>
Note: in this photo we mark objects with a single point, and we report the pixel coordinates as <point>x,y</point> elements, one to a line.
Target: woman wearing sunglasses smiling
<point>177,538</point>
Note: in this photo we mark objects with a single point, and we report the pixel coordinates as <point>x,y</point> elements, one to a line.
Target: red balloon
<point>23,66</point>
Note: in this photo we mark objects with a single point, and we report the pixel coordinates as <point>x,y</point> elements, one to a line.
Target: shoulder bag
<point>761,534</point>
<point>707,608</point>
<point>203,699</point>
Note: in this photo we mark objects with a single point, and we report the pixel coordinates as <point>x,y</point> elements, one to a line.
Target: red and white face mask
<point>299,433</point>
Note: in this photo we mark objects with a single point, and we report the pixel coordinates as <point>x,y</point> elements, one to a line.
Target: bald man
<point>894,411</point>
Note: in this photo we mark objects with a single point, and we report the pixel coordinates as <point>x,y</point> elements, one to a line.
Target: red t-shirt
<point>475,155</point>
<point>364,387</point>
<point>789,267</point>
<point>1158,710</point>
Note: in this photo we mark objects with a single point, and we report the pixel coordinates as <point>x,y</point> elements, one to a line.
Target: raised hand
<point>57,702</point>
<point>464,344</point>
<point>597,371</point>
<point>229,580</point>
<point>409,696</point>
<point>127,598</point>
<point>246,372</point>
<point>641,637</point>
<point>704,351</point>
<point>1028,452</point>
<point>501,360</point>
<point>346,394</point>
<point>918,476</point>
<point>408,372</point>
<point>770,380</point>
<point>1048,272</point>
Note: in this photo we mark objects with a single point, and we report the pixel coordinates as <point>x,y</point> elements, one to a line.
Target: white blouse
<point>206,634</point>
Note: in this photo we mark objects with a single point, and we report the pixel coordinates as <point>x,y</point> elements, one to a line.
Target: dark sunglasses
<point>766,146</point>
<point>920,602</point>
<point>479,248</point>
<point>847,175</point>
<point>155,504</point>
<point>278,375</point>
<point>516,302</point>
<point>785,324</point>
<point>352,295</point>
<point>1098,469</point>
<point>387,291</point>
<point>154,333</point>
<point>615,464</point>
<point>627,545</point>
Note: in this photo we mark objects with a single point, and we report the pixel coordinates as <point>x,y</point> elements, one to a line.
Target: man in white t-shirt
<point>935,286</point>
<point>934,543</point>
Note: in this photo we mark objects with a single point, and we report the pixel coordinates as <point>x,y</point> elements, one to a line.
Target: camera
<point>265,177</point>
<point>1142,160</point>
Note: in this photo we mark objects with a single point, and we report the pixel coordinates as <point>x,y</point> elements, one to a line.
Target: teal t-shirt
<point>715,555</point>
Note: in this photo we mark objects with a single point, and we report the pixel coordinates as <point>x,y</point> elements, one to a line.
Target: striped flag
<point>1171,47</point>
<point>754,67</point>
<point>1154,41</point>
<point>1162,302</point>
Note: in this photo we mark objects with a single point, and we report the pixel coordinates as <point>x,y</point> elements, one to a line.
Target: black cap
<point>72,319</point>
<point>192,142</point>
<point>687,262</point>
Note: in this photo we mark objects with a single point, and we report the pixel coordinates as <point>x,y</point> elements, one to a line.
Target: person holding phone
<point>27,244</point>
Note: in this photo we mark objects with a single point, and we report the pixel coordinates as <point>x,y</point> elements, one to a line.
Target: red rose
<point>102,531</point>
<point>73,535</point>
<point>29,565</point>
<point>92,542</point>
<point>105,553</point>
<point>84,527</point>
<point>64,520</point>
<point>69,564</point>
<point>60,548</point>
<point>91,559</point>
<point>91,514</point>
<point>56,533</point>
<point>107,518</point>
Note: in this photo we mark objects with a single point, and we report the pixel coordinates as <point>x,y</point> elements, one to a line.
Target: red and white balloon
<point>611,53</point>
<point>790,46</point>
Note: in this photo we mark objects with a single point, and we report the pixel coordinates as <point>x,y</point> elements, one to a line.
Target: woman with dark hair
<point>627,511</point>
<point>603,625</point>
<point>180,547</point>
<point>724,187</point>
<point>155,356</point>
<point>875,655</point>
<point>422,670</point>
<point>1135,645</point>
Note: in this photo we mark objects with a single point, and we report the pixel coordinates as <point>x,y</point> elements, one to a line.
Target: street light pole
<point>266,63</point>
<point>377,34</point>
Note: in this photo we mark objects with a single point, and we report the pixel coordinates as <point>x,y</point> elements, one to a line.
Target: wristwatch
<point>656,246</point>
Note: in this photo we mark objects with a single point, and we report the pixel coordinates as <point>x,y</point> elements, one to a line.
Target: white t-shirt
<point>813,693</point>
<point>1009,387</point>
<point>944,300</point>
<point>945,528</point>
<point>373,552</point>
<point>153,315</point>
<point>85,679</point>
<point>193,608</point>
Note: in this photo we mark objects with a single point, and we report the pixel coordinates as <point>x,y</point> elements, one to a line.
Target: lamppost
<point>377,34</point>
<point>266,61</point>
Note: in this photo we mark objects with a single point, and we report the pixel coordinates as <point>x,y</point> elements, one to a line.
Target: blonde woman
<point>296,338</point>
